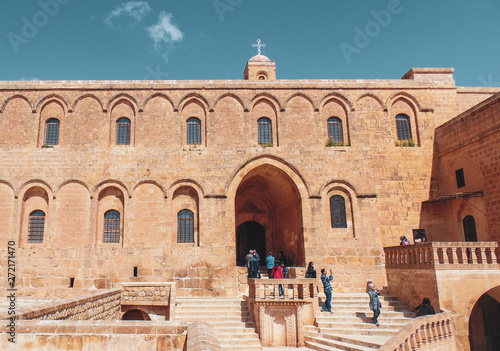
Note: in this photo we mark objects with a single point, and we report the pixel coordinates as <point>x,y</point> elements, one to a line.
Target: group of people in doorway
<point>276,268</point>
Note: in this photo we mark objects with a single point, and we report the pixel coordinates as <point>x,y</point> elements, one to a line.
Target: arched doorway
<point>249,236</point>
<point>470,228</point>
<point>136,315</point>
<point>269,198</point>
<point>484,322</point>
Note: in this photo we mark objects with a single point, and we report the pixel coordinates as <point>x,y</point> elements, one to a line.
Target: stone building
<point>174,181</point>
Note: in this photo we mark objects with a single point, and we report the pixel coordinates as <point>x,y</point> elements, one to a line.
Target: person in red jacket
<point>277,273</point>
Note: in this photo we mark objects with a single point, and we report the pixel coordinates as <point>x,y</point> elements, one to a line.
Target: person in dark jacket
<point>311,272</point>
<point>254,266</point>
<point>282,258</point>
<point>425,308</point>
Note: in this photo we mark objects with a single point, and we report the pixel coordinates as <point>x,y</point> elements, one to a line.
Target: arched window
<point>52,132</point>
<point>265,131</point>
<point>470,232</point>
<point>403,127</point>
<point>36,226</point>
<point>123,131</point>
<point>193,131</point>
<point>335,133</point>
<point>112,226</point>
<point>185,226</point>
<point>337,212</point>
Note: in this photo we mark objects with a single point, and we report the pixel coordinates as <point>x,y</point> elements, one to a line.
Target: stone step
<point>371,341</point>
<point>338,344</point>
<point>359,331</point>
<point>364,325</point>
<point>212,314</point>
<point>208,302</point>
<point>214,321</point>
<point>231,347</point>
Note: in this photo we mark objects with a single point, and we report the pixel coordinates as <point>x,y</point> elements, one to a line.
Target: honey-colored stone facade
<point>227,180</point>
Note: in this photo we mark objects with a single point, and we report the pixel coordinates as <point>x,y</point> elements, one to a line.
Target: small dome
<point>259,58</point>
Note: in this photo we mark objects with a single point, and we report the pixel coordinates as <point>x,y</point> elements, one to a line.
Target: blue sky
<point>212,39</point>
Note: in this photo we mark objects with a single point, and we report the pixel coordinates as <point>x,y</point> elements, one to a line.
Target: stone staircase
<point>229,317</point>
<point>351,328</point>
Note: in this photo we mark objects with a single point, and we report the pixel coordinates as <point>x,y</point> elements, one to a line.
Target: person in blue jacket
<point>269,264</point>
<point>327,306</point>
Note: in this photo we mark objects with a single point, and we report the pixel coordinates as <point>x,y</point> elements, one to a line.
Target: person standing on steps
<point>254,266</point>
<point>327,306</point>
<point>375,303</point>
<point>277,273</point>
<point>248,257</point>
<point>269,264</point>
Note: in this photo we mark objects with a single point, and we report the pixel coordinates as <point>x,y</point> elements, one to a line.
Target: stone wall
<point>149,181</point>
<point>97,335</point>
<point>469,142</point>
<point>104,305</point>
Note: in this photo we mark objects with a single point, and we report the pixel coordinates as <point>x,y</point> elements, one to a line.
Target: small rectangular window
<point>71,282</point>
<point>135,272</point>
<point>459,173</point>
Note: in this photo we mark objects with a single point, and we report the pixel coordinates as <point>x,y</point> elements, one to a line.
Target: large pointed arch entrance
<point>484,322</point>
<point>268,215</point>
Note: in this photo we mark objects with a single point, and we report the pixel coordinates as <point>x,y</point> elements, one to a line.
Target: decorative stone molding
<point>280,319</point>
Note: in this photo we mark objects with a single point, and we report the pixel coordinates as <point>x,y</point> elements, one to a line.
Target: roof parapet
<point>431,75</point>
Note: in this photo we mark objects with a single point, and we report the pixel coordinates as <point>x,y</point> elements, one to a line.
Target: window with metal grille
<point>123,131</point>
<point>185,226</point>
<point>52,132</point>
<point>335,130</point>
<point>337,212</point>
<point>403,127</point>
<point>193,131</point>
<point>112,226</point>
<point>36,226</point>
<point>265,131</point>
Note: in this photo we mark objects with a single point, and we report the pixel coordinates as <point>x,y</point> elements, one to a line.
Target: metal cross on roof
<point>258,46</point>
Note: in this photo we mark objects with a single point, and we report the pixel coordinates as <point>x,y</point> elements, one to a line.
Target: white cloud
<point>134,9</point>
<point>164,32</point>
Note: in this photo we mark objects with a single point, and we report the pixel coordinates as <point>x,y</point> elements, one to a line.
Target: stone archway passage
<point>136,315</point>
<point>269,197</point>
<point>249,235</point>
<point>484,322</point>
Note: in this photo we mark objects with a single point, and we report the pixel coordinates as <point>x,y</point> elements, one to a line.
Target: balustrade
<point>293,289</point>
<point>445,255</point>
<point>424,332</point>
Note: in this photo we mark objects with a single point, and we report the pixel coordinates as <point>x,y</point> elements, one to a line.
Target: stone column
<point>264,340</point>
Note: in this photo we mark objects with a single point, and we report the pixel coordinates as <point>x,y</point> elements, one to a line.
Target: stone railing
<point>445,255</point>
<point>99,306</point>
<point>434,332</point>
<point>294,289</point>
<point>151,294</point>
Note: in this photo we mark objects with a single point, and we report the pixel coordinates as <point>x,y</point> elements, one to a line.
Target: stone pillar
<point>264,340</point>
<point>300,327</point>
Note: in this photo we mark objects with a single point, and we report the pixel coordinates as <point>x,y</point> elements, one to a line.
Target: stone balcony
<point>453,275</point>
